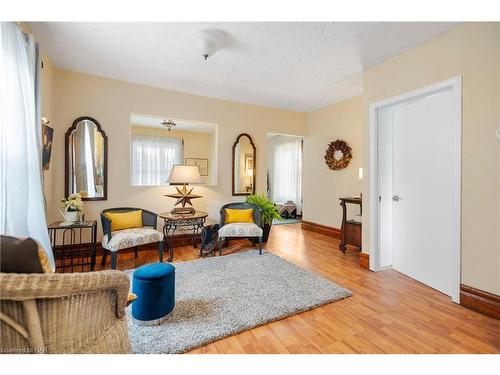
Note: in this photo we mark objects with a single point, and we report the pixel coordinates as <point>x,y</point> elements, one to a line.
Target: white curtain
<point>287,172</point>
<point>153,158</point>
<point>21,197</point>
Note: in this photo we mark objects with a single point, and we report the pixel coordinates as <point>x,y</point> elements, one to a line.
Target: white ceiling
<point>184,125</point>
<point>299,66</point>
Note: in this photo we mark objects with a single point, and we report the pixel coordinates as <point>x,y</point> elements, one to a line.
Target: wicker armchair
<point>64,313</point>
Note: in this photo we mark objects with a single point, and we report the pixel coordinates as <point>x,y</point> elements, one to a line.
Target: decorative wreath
<point>338,163</point>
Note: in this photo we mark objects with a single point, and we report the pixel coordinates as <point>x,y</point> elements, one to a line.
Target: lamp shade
<point>185,174</point>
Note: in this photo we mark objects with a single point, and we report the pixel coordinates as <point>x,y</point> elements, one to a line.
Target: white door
<point>422,184</point>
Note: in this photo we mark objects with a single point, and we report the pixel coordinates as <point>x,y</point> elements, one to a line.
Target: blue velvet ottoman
<point>154,285</point>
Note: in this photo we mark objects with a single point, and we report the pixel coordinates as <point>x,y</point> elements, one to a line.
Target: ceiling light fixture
<point>169,124</point>
<point>212,40</point>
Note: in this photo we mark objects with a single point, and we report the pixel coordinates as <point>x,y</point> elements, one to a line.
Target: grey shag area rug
<point>220,296</point>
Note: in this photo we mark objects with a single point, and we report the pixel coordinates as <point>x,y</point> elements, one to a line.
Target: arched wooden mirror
<point>86,151</point>
<point>244,155</point>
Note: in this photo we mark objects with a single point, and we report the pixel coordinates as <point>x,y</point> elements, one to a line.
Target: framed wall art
<point>202,164</point>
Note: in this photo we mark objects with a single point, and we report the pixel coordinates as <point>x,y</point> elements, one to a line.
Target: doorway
<point>415,140</point>
<point>284,176</point>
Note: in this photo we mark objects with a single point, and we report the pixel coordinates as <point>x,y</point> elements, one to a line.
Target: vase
<point>71,216</point>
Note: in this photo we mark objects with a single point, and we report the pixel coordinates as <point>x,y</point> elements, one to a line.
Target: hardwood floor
<point>388,312</point>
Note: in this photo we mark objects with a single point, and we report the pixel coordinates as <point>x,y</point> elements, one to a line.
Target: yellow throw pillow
<point>131,298</point>
<point>44,260</point>
<point>125,220</point>
<point>239,216</point>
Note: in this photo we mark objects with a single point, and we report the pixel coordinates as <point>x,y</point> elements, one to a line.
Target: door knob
<point>396,198</point>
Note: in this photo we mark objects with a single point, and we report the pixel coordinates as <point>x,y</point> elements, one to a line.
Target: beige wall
<point>110,102</point>
<point>470,51</point>
<point>322,186</point>
<point>196,145</point>
<point>498,151</point>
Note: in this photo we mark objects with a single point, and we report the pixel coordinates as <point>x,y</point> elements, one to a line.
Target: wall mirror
<point>244,155</point>
<point>86,151</point>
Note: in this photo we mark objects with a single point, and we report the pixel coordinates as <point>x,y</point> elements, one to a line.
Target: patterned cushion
<point>240,230</point>
<point>123,239</point>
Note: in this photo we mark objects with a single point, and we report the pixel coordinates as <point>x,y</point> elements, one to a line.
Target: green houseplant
<point>269,212</point>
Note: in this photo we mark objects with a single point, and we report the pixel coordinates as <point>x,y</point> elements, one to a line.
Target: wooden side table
<point>70,250</point>
<point>350,232</point>
<point>182,223</point>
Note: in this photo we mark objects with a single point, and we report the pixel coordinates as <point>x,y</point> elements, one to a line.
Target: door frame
<point>455,86</point>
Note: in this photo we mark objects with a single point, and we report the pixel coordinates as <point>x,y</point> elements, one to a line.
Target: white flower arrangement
<point>73,202</point>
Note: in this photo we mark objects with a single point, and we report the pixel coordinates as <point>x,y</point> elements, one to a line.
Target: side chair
<point>113,241</point>
<point>240,229</point>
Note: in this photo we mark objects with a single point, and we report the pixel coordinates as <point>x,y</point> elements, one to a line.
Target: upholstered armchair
<point>251,230</point>
<point>115,240</point>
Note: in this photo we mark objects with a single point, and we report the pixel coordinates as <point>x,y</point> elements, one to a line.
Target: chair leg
<point>104,256</point>
<point>136,251</point>
<point>260,245</point>
<point>160,251</point>
<point>32,317</point>
<point>221,241</point>
<point>113,259</point>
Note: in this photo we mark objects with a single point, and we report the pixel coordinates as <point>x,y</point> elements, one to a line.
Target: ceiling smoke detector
<point>169,124</point>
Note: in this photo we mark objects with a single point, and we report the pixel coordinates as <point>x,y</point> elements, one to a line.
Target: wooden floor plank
<point>388,312</point>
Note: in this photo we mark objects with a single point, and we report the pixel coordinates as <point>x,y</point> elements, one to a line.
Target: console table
<point>350,232</point>
<point>182,223</point>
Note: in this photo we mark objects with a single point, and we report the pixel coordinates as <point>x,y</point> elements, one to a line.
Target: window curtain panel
<point>287,172</point>
<point>22,207</point>
<point>153,159</point>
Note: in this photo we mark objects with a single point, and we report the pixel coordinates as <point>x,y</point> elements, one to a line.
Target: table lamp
<point>184,175</point>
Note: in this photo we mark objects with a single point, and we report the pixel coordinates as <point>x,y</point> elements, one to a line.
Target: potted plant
<point>269,212</point>
<point>72,205</point>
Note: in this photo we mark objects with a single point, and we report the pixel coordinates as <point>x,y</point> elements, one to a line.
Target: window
<point>152,159</point>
